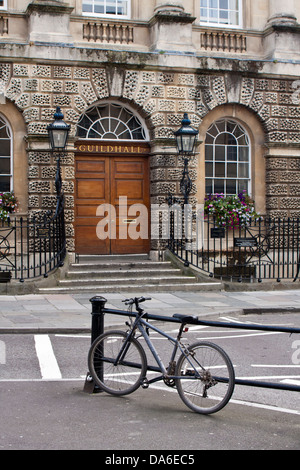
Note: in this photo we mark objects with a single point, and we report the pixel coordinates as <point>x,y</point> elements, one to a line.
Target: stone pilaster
<point>42,15</point>
<point>282,34</point>
<point>171,28</point>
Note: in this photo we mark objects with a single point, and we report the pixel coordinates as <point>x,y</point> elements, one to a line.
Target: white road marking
<point>240,336</point>
<point>47,360</point>
<point>291,382</point>
<point>275,366</point>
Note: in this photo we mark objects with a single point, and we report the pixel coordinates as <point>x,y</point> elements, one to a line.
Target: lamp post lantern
<point>186,141</point>
<point>58,132</point>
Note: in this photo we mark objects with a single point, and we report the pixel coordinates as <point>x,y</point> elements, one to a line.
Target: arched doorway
<point>111,182</point>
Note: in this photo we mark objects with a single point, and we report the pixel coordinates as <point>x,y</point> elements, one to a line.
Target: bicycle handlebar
<point>136,300</point>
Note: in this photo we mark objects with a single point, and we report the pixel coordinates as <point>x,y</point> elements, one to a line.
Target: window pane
<point>213,131</point>
<point>209,152</point>
<point>243,170</point>
<point>234,4</point>
<point>224,4</point>
<point>203,14</point>
<point>232,153</point>
<point>5,148</point>
<point>231,187</point>
<point>231,170</point>
<point>122,7</point>
<point>243,154</point>
<point>243,186</point>
<point>5,166</point>
<point>87,7</point>
<point>209,170</point>
<point>220,170</point>
<point>219,186</point>
<point>4,184</point>
<point>209,186</point>
<point>220,153</point>
<point>4,131</point>
<point>110,7</point>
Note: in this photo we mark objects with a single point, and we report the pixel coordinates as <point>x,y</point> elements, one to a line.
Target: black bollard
<point>98,304</point>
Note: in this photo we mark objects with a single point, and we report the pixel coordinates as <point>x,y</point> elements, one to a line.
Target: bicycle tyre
<point>214,389</point>
<point>122,378</point>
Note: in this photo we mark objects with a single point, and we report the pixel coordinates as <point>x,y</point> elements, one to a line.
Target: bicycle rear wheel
<point>207,378</point>
<point>117,377</point>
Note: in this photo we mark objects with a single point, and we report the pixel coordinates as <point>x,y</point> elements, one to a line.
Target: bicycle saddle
<point>186,318</point>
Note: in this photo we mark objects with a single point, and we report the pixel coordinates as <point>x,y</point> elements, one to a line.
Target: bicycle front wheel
<point>208,379</point>
<point>117,367</point>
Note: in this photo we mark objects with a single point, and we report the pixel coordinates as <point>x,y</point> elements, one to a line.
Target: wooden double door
<point>111,184</point>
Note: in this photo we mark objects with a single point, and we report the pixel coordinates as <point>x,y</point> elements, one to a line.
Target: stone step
<point>126,273</point>
<point>98,259</point>
<point>138,290</point>
<point>123,273</point>
<point>134,281</point>
<point>114,265</point>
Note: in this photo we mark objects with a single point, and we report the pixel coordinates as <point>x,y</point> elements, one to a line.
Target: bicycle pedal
<point>145,383</point>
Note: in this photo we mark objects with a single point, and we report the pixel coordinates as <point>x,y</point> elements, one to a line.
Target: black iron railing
<point>33,246</point>
<point>268,248</point>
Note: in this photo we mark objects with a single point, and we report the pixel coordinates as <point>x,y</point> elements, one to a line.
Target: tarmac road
<point>59,415</point>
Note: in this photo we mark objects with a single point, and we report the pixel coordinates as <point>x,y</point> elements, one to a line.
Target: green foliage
<point>231,211</point>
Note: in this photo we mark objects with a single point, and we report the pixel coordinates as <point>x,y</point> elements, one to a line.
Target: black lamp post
<point>186,140</point>
<point>58,133</point>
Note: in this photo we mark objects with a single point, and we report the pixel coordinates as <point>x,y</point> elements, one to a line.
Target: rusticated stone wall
<point>161,98</point>
<point>283,186</point>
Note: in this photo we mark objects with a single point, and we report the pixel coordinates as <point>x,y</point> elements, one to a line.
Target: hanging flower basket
<point>231,211</point>
<point>8,205</point>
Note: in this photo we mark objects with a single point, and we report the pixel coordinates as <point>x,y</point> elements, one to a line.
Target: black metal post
<point>186,183</point>
<point>98,304</point>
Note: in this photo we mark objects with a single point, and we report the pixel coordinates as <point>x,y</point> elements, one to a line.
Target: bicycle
<point>203,374</point>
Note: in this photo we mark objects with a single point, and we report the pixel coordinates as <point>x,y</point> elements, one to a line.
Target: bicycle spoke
<point>208,389</point>
<point>118,377</point>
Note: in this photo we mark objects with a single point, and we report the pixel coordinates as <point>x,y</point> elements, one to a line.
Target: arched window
<point>227,158</point>
<point>110,122</point>
<point>5,157</point>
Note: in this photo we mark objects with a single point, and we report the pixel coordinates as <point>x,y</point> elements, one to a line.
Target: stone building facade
<point>236,66</point>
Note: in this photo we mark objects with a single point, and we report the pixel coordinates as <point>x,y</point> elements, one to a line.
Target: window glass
<point>5,157</point>
<point>3,4</point>
<point>227,158</point>
<point>111,8</point>
<point>220,12</point>
<point>110,122</point>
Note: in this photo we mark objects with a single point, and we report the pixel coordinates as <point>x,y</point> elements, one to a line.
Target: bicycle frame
<point>142,325</point>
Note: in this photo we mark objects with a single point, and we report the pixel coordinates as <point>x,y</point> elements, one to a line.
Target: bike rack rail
<point>99,310</point>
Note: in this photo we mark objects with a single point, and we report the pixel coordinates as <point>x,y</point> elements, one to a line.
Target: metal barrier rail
<point>99,310</point>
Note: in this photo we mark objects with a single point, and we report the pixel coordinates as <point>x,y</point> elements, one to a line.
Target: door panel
<point>92,190</point>
<point>111,180</point>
